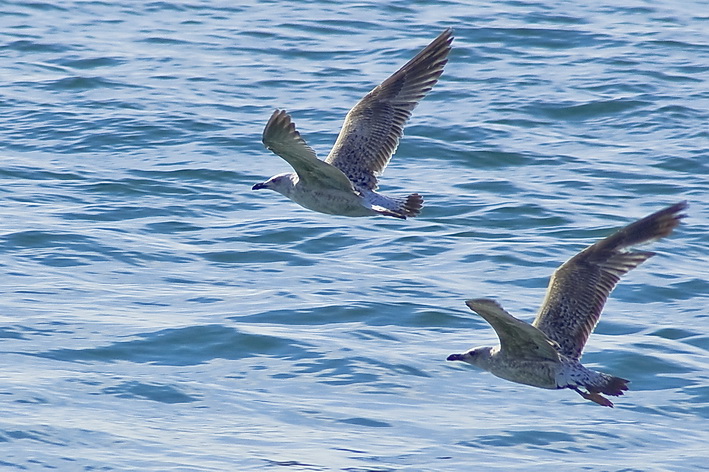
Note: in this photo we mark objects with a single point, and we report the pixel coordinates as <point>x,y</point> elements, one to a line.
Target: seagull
<point>345,182</point>
<point>547,352</point>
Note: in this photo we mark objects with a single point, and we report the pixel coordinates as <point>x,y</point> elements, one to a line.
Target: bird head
<point>478,356</point>
<point>281,183</point>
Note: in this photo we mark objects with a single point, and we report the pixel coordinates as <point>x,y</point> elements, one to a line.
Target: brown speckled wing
<point>372,129</point>
<point>580,287</point>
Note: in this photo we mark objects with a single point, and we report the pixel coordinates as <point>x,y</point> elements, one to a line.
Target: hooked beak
<point>455,357</point>
<point>259,186</point>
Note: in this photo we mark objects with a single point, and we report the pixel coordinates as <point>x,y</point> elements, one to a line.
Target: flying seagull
<point>345,182</point>
<point>547,353</point>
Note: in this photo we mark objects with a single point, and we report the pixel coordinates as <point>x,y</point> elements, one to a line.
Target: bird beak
<point>455,357</point>
<point>259,186</point>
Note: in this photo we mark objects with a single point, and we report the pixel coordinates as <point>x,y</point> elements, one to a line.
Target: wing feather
<point>517,338</point>
<point>579,288</point>
<point>372,128</point>
<point>281,137</point>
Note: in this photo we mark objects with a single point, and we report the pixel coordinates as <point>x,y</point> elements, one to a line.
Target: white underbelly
<point>331,202</point>
<point>537,373</point>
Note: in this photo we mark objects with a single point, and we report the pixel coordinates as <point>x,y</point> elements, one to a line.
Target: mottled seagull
<point>547,352</point>
<point>345,182</point>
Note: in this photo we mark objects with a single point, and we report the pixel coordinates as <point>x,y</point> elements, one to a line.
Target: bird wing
<point>281,137</point>
<point>371,131</point>
<point>517,338</point>
<point>580,287</point>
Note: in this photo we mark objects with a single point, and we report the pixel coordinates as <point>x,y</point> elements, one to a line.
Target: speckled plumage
<point>345,182</point>
<point>547,352</point>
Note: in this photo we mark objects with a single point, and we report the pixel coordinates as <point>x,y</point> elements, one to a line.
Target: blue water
<point>156,314</point>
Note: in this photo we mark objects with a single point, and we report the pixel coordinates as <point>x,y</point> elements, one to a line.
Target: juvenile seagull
<point>345,183</point>
<point>547,353</point>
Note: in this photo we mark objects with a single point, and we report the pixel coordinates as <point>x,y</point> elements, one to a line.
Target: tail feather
<point>397,207</point>
<point>612,386</point>
<point>413,204</point>
<point>609,385</point>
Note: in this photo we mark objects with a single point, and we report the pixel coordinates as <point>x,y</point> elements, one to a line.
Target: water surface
<point>157,314</point>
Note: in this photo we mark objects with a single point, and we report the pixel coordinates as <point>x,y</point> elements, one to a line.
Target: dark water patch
<point>185,346</point>
<point>408,248</point>
<point>129,135</point>
<point>520,123</point>
<point>297,464</point>
<point>259,256</point>
<point>80,83</point>
<point>312,316</point>
<point>517,438</point>
<point>58,249</point>
<point>328,243</point>
<point>554,18</point>
<point>34,400</point>
<point>271,232</point>
<point>681,45</point>
<point>587,111</point>
<point>667,77</point>
<point>164,40</point>
<point>172,227</point>
<point>366,334</point>
<point>25,45</point>
<point>34,173</point>
<point>372,313</point>
<point>368,422</point>
<point>673,333</point>
<point>10,333</point>
<point>106,213</point>
<point>193,175</point>
<point>545,38</point>
<point>699,341</point>
<point>692,165</point>
<point>620,86</point>
<point>133,187</point>
<point>698,393</point>
<point>57,326</point>
<point>490,185</point>
<point>91,63</point>
<point>162,7</point>
<point>336,371</point>
<point>376,373</point>
<point>32,435</point>
<point>155,392</point>
<point>45,239</point>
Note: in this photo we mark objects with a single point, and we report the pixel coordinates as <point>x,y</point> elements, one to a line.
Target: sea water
<point>156,314</point>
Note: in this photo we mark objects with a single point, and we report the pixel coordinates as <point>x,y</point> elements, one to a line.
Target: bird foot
<point>595,397</point>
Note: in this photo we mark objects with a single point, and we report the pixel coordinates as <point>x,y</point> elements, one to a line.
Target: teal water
<point>156,314</point>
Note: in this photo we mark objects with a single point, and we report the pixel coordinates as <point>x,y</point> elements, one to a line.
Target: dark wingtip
<point>259,186</point>
<point>454,357</point>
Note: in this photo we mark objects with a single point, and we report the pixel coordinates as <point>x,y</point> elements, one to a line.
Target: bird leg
<point>595,397</point>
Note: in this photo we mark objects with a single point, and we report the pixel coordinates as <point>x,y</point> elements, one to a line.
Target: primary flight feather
<point>345,182</point>
<point>547,352</point>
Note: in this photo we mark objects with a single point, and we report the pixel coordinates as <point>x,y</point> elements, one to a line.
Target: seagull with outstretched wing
<point>345,182</point>
<point>547,352</point>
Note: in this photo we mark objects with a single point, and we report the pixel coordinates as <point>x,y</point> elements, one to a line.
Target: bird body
<point>547,353</point>
<point>345,182</point>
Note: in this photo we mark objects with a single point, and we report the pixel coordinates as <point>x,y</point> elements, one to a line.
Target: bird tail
<point>413,204</point>
<point>597,383</point>
<point>397,207</point>
<point>609,385</point>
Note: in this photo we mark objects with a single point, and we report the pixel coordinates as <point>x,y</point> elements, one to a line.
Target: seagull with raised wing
<point>345,182</point>
<point>547,352</point>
